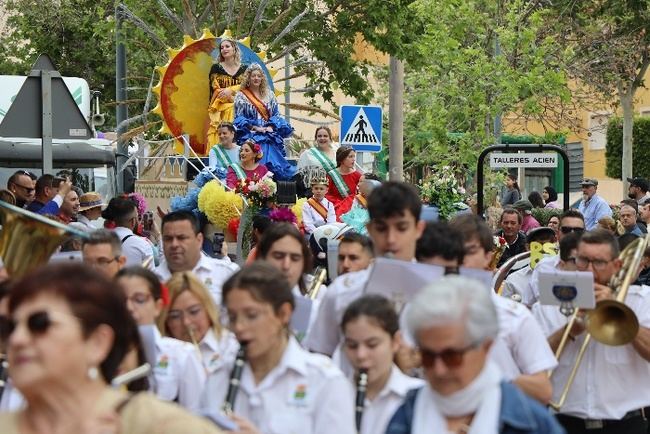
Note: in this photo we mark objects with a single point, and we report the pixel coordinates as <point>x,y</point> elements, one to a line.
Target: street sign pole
<point>46,120</point>
<point>396,120</point>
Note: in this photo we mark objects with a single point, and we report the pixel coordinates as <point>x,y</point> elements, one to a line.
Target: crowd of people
<point>147,330</point>
<point>269,348</point>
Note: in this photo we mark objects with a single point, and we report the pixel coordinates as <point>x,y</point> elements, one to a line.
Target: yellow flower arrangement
<point>219,205</point>
<point>297,209</point>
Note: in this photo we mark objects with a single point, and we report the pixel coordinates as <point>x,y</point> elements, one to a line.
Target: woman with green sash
<point>224,154</point>
<point>343,181</point>
<point>248,168</point>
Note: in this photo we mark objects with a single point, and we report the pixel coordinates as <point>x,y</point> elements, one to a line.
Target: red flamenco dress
<point>343,204</point>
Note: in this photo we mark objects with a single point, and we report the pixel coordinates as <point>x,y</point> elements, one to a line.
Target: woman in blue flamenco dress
<point>257,118</point>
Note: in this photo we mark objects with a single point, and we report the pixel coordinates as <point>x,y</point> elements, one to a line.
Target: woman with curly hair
<point>257,118</point>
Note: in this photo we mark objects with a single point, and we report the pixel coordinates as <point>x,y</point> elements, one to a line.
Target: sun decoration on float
<point>184,88</point>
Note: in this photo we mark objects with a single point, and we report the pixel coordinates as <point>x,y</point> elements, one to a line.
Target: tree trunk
<point>626,95</point>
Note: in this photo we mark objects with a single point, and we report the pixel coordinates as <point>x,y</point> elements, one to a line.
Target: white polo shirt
<point>178,374</point>
<point>378,412</point>
<point>212,272</point>
<point>325,332</point>
<point>135,248</point>
<point>547,264</point>
<point>216,352</point>
<point>610,380</point>
<point>304,394</point>
<point>521,346</point>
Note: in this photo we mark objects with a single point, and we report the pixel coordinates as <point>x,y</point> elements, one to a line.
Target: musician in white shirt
<point>612,383</point>
<point>394,228</point>
<point>284,247</point>
<point>372,338</point>
<point>182,243</point>
<point>283,389</point>
<point>192,316</point>
<point>317,210</point>
<point>178,373</point>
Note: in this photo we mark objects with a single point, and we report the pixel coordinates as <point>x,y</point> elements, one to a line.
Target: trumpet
<point>319,277</point>
<point>235,379</point>
<point>611,322</point>
<point>362,384</point>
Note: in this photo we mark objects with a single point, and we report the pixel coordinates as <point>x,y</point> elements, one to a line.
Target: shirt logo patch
<point>163,362</point>
<point>300,396</point>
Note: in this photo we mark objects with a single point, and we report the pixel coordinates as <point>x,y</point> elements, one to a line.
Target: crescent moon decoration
<point>183,91</point>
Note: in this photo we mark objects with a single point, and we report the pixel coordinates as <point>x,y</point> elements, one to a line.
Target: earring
<point>93,373</point>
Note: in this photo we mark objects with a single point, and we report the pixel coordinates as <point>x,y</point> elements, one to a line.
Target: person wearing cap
<point>528,222</point>
<point>317,210</point>
<point>516,284</point>
<point>90,208</point>
<point>638,189</point>
<point>592,206</point>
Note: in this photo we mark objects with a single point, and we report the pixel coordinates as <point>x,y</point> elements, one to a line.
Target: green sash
<point>225,161</point>
<point>327,164</point>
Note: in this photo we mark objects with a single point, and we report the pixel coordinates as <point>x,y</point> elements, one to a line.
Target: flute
<point>362,383</point>
<point>132,375</point>
<point>235,378</point>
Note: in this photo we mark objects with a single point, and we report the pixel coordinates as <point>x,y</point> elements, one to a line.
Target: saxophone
<point>235,378</point>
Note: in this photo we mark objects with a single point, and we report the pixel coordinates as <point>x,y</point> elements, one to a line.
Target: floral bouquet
<point>441,189</point>
<point>258,192</point>
<point>500,246</point>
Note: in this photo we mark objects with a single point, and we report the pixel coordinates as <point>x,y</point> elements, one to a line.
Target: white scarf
<point>482,398</point>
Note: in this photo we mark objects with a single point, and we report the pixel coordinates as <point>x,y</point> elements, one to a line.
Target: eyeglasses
<point>38,323</point>
<point>178,314</point>
<point>451,358</point>
<point>569,229</point>
<point>100,262</point>
<point>598,264</point>
<point>139,298</point>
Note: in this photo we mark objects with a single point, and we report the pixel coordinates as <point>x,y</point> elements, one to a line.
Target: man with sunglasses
<point>612,383</point>
<point>22,186</point>
<point>571,221</point>
<point>592,206</point>
<point>454,323</point>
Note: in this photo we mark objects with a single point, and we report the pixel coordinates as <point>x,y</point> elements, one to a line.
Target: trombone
<point>611,322</point>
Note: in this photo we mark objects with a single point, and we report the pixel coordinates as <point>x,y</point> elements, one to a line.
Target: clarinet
<point>362,383</point>
<point>235,377</point>
<point>4,373</point>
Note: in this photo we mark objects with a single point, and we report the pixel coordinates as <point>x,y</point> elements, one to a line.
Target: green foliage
<point>543,215</point>
<point>640,149</point>
<point>459,84</point>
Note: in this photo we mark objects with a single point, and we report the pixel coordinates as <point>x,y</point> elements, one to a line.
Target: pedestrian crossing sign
<point>361,127</point>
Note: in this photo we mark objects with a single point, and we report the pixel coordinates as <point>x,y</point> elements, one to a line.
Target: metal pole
<point>396,120</point>
<point>46,121</point>
<point>287,90</point>
<point>121,113</point>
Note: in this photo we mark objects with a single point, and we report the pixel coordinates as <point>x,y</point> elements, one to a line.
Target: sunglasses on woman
<point>38,323</point>
<point>450,357</point>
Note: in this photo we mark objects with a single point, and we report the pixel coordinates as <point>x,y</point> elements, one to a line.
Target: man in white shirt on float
<point>182,243</point>
<point>612,384</point>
